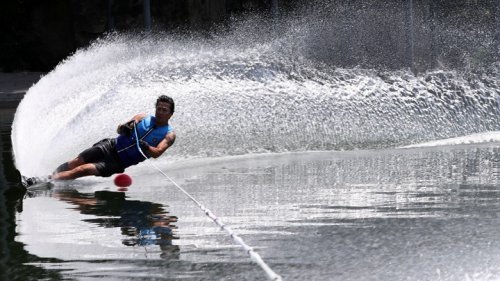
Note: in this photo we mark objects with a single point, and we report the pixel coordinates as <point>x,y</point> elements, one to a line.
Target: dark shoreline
<point>13,87</point>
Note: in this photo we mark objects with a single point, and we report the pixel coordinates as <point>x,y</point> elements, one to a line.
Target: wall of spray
<point>245,91</point>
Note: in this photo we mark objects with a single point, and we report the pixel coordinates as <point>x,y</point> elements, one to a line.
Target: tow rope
<point>254,256</point>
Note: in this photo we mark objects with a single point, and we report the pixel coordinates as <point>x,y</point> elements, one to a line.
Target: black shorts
<point>103,154</point>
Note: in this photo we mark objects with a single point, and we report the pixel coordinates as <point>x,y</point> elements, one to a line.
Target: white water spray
<point>237,95</point>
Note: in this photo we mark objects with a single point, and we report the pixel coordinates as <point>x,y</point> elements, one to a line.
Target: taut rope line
<point>254,256</point>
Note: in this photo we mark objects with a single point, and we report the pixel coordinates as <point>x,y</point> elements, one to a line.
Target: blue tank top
<point>126,146</point>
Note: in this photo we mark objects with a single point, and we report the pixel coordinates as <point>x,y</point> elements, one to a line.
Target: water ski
<point>35,182</point>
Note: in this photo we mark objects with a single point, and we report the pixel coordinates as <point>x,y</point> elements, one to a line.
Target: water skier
<point>113,155</point>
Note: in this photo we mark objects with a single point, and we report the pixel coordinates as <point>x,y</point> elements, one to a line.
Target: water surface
<point>394,214</point>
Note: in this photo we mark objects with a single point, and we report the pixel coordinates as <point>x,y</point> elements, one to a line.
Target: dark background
<point>37,35</point>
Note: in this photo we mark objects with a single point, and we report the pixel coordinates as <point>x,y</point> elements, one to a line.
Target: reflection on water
<point>142,223</point>
<point>14,259</point>
<point>341,187</point>
<point>400,214</point>
<point>416,214</point>
<point>403,184</point>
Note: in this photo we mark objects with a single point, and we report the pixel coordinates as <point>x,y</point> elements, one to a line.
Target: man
<point>111,156</point>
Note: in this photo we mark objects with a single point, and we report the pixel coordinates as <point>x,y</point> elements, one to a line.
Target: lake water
<point>387,214</point>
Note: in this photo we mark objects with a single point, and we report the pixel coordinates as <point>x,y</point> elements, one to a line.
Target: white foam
<point>235,97</point>
<point>478,138</point>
